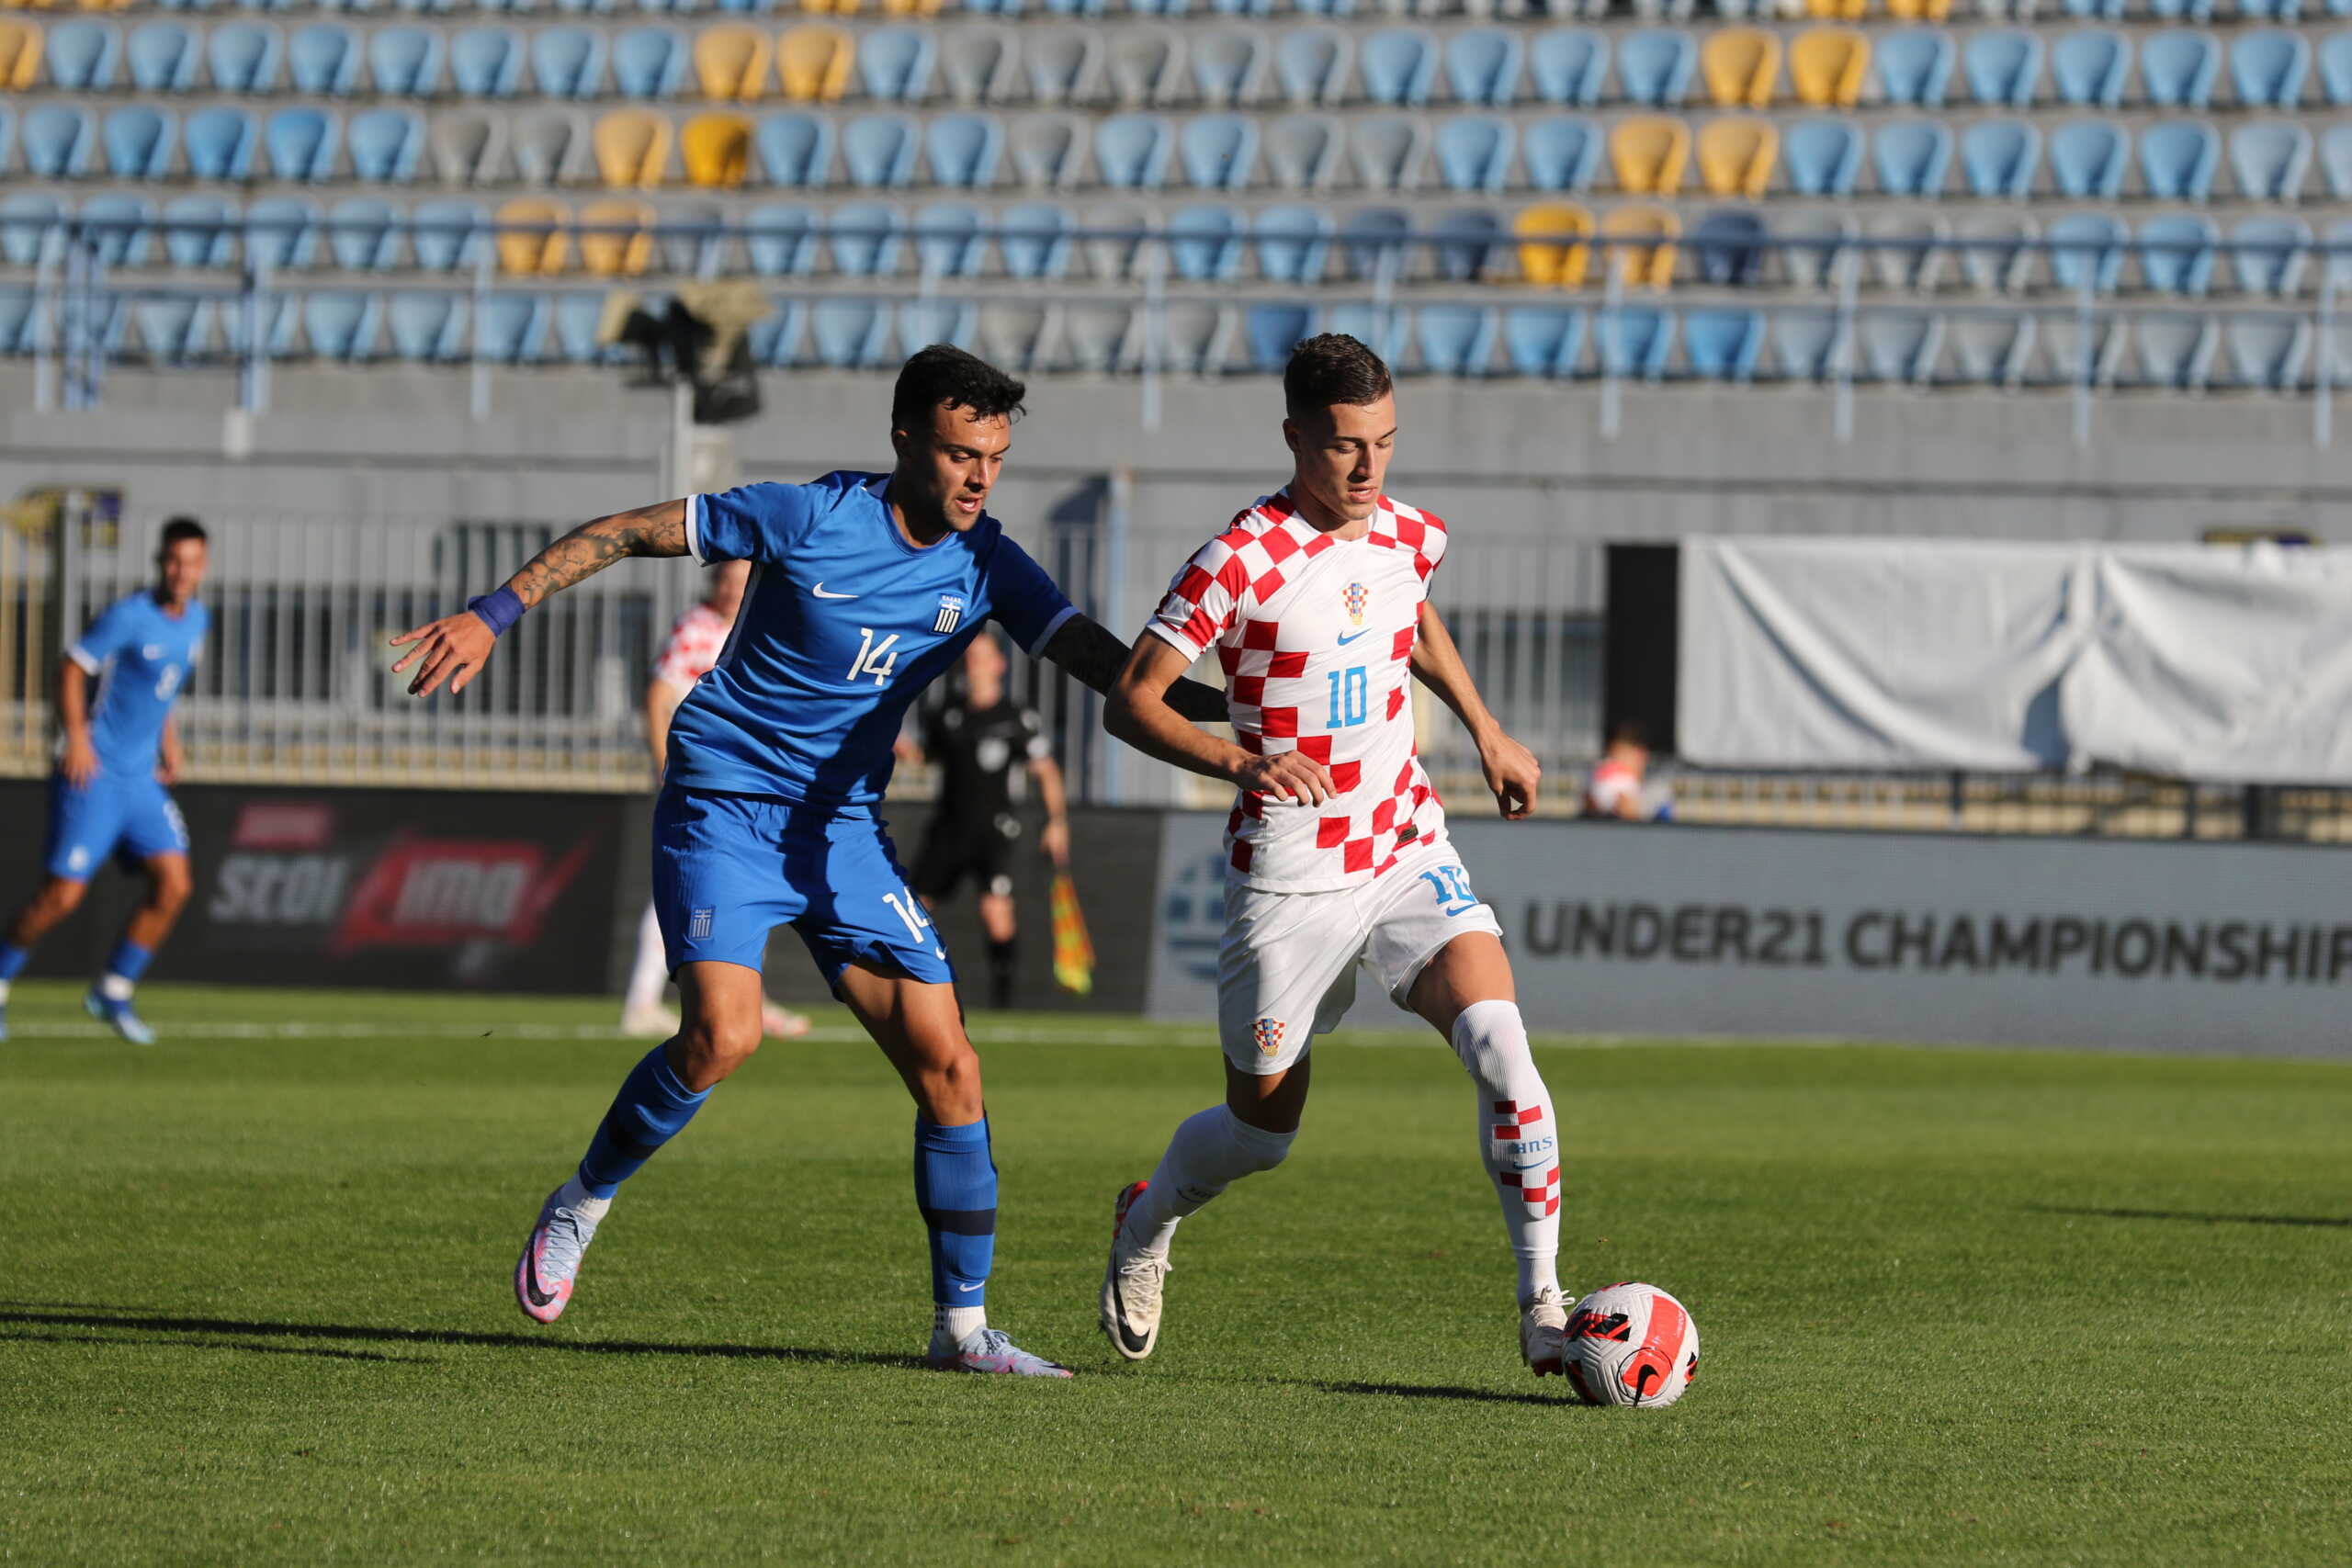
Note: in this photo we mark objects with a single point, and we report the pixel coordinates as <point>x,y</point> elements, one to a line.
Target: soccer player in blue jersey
<point>864,588</point>
<point>108,796</point>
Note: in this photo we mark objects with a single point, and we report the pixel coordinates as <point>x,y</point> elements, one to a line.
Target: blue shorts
<point>727,869</point>
<point>126,816</point>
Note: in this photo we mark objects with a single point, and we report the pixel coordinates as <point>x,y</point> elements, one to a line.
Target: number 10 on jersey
<point>1350,701</point>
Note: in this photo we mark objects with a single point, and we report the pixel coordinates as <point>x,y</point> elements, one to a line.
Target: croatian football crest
<point>951,610</point>
<point>1357,597</point>
<point>1268,1035</point>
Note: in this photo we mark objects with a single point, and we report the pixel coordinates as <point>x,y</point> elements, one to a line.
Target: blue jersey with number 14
<point>843,623</point>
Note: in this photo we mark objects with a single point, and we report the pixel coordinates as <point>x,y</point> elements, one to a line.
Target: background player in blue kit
<point>864,588</point>
<point>108,796</point>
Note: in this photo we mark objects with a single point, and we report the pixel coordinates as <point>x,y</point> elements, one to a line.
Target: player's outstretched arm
<point>1094,655</point>
<point>1511,769</point>
<point>454,646</point>
<point>1137,713</point>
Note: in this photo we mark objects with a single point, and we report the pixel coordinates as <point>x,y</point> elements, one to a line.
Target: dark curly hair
<point>945,376</point>
<point>1333,369</point>
<point>179,529</point>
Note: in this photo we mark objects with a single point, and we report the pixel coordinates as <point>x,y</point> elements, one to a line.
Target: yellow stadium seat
<point>1545,259</point>
<point>718,149</point>
<point>615,237</point>
<point>1836,10</point>
<point>20,55</point>
<point>813,62</point>
<point>1918,10</point>
<point>543,246</point>
<point>1827,65</point>
<point>632,148</point>
<point>1741,64</point>
<point>911,7</point>
<point>839,7</point>
<point>1737,154</point>
<point>733,63</point>
<point>1643,264</point>
<point>1649,153</point>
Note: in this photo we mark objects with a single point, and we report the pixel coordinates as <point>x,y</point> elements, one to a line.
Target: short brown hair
<point>944,376</point>
<point>1333,369</point>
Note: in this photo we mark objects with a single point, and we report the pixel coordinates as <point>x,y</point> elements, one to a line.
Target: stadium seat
<point>1118,244</point>
<point>1655,67</point>
<point>533,236</point>
<point>1914,66</point>
<point>341,325</point>
<point>1635,341</point>
<point>138,142</point>
<point>1302,150</point>
<point>1832,10</point>
<point>2268,67</point>
<point>1741,65</point>
<point>1218,152</point>
<point>1311,64</point>
<point>2177,254</point>
<point>863,238</point>
<point>28,226</point>
<point>780,240</point>
<point>1649,155</point>
<point>276,320</point>
<point>1911,157</point>
<point>426,328</point>
<point>894,64</point>
<point>485,62</point>
<point>1205,242</point>
<point>361,234</point>
<point>1543,340</point>
<point>2088,156</point>
<point>573,318</point>
<point>176,329</point>
<point>1828,65</point>
<point>323,58</point>
<point>1015,336</point>
<point>1562,154</point>
<point>1737,154</point>
<point>2174,349</point>
<point>2336,156</point>
<point>1900,347</point>
<point>244,57</point>
<point>220,142</point>
<point>1226,66</point>
<point>1292,243</point>
<point>281,232</point>
<point>200,232</point>
<point>1397,65</point>
<point>878,149</point>
<point>2178,158</point>
<point>1991,348</point>
<point>1812,245</point>
<point>2269,158</point>
<point>774,339</point>
<point>717,151</point>
<point>300,144</point>
<point>1033,238</point>
<point>649,63</point>
<point>1272,332</point>
<point>1473,152</point>
<point>692,241</point>
<point>405,62</point>
<point>1465,242</point>
<point>1548,256</point>
<point>2000,158</point>
<point>1482,66</point>
<point>2086,247</point>
<point>2089,67</point>
<point>1644,255</point>
<point>447,234</point>
<point>1145,65</point>
<point>1907,249</point>
<point>2267,253</point>
<point>1822,156</point>
<point>1380,327</point>
<point>632,148</point>
<point>1373,241</point>
<point>962,150</point>
<point>511,328</point>
<point>983,64</point>
<point>1386,151</point>
<point>2181,10</point>
<point>551,145</point>
<point>2336,66</point>
<point>567,63</point>
<point>1098,336</point>
<point>731,63</point>
<point>795,149</point>
<point>2271,10</point>
<point>81,54</point>
<point>58,139</point>
<point>20,47</point>
<point>1569,65</point>
<point>2267,351</point>
<point>1045,150</point>
<point>2003,68</point>
<point>1062,62</point>
<point>1456,340</point>
<point>615,237</point>
<point>925,321</point>
<point>1728,246</point>
<point>118,226</point>
<point>1131,151</point>
<point>2177,66</point>
<point>1722,345</point>
<point>386,144</point>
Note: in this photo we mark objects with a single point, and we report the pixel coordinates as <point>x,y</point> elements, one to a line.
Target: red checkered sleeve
<point>1204,600</point>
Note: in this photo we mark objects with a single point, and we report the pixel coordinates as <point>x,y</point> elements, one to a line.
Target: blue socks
<point>650,1110</point>
<point>956,1189</point>
<point>13,960</point>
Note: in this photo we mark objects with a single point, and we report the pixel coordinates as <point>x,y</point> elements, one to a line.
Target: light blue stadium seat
<point>925,321</point>
<point>1823,156</point>
<point>1098,335</point>
<point>863,238</point>
<point>2177,254</point>
<point>18,321</point>
<point>2000,158</point>
<point>1274,331</point>
<point>1231,8</point>
<point>8,132</point>
<point>2177,67</point>
<point>1569,65</point>
<point>1292,244</point>
<point>2087,158</point>
<point>849,333</point>
<point>1474,152</point>
<point>1226,65</point>
<point>2335,157</point>
<point>1205,242</point>
<point>780,240</point>
<point>1380,327</point>
<point>1636,341</point>
<point>567,63</point>
<point>1311,64</point>
<point>29,220</point>
<point>1131,151</point>
<point>362,235</point>
<point>1218,152</point>
<point>138,142</point>
<point>795,149</point>
<point>80,54</point>
<point>1456,340</point>
<point>162,57</point>
<point>895,64</point>
<point>273,321</point>
<point>511,328</point>
<point>2089,67</point>
<point>2178,158</point>
<point>2336,66</point>
<point>2270,10</point>
<point>1728,243</point>
<point>2002,68</point>
<point>300,144</point>
<point>949,240</point>
<point>2181,10</point>
<point>962,150</point>
<point>649,63</point>
<point>1370,240</point>
<point>1991,348</point>
<point>1813,247</point>
<point>385,145</point>
<point>426,328</point>
<point>1722,345</point>
<point>449,233</point>
<point>405,62</point>
<point>176,329</point>
<point>1033,237</point>
<point>2267,253</point>
<point>2096,10</point>
<point>58,141</point>
<point>774,339</point>
<point>200,232</point>
<point>1654,67</point>
<point>245,57</point>
<point>878,149</point>
<point>1191,337</point>
<point>1047,151</point>
<point>1327,7</point>
<point>1913,66</point>
<point>1900,345</point>
<point>2269,158</point>
<point>2267,351</point>
<point>1467,241</point>
<point>2086,246</point>
<point>1482,66</point>
<point>2267,68</point>
<point>1911,157</point>
<point>118,226</point>
<point>323,58</point>
<point>1386,150</point>
<point>1398,66</point>
<point>220,142</point>
<point>486,61</point>
<point>282,232</point>
<point>1543,340</point>
<point>1563,153</point>
<point>2174,349</point>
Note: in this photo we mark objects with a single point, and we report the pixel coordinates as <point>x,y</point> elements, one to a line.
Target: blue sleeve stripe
<point>1038,646</point>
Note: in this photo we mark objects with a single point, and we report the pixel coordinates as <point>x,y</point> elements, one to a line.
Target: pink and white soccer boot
<point>551,1261</point>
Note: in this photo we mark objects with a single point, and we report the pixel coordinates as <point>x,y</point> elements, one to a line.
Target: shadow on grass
<point>66,1315</point>
<point>326,1351</point>
<point>1439,1391</point>
<point>2190,1215</point>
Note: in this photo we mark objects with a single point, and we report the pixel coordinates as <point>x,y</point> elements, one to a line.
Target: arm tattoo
<point>1094,655</point>
<point>657,530</point>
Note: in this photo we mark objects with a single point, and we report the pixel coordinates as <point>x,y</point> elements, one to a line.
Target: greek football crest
<point>1357,597</point>
<point>951,610</point>
<point>1268,1035</point>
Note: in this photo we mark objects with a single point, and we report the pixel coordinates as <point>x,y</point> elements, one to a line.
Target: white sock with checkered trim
<point>1518,1136</point>
<point>1211,1151</point>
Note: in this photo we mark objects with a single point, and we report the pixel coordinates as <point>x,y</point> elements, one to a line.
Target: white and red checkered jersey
<point>694,645</point>
<point>1315,634</point>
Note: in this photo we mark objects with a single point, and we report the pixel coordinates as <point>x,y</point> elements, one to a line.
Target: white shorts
<point>1286,971</point>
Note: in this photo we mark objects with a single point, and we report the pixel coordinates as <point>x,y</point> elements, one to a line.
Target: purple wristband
<point>498,611</point>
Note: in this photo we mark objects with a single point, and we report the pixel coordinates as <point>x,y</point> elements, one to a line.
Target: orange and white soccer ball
<point>1631,1344</point>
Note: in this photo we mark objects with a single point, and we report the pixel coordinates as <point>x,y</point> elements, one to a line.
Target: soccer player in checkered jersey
<point>1314,601</point>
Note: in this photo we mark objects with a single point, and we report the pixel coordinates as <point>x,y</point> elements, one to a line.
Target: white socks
<point>115,988</point>
<point>1210,1152</point>
<point>651,970</point>
<point>955,1325</point>
<point>576,1197</point>
<point>1518,1136</point>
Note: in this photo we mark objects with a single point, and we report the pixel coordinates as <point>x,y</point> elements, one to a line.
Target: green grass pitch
<point>1957,1307</point>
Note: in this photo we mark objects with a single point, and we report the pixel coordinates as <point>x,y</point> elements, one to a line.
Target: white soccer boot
<point>1133,1285</point>
<point>989,1350</point>
<point>1543,1332</point>
<point>552,1254</point>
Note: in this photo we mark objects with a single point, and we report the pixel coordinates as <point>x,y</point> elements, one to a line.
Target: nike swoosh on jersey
<point>819,592</point>
<point>1352,636</point>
